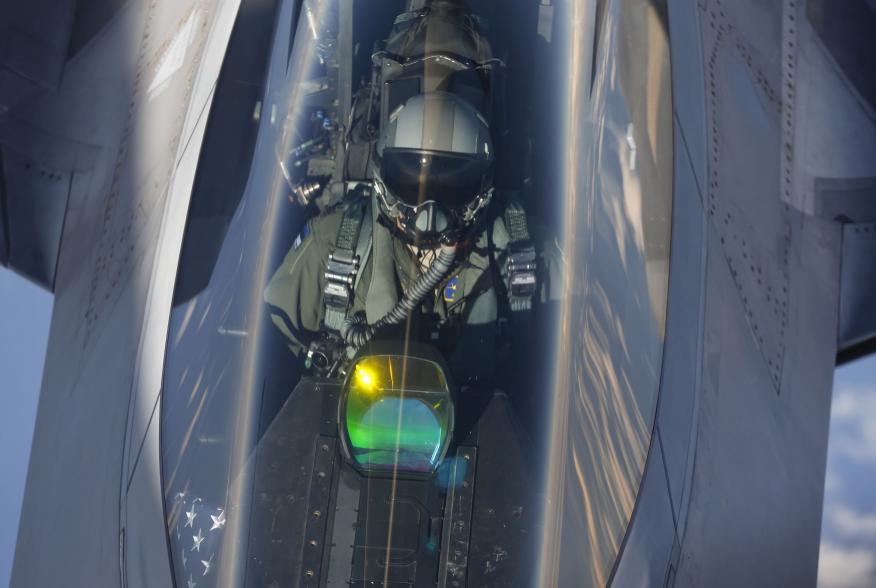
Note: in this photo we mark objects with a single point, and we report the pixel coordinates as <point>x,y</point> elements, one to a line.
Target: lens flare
<point>366,379</point>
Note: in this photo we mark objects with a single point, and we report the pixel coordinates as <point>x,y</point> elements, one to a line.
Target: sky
<point>848,537</point>
<point>25,312</point>
<point>848,542</point>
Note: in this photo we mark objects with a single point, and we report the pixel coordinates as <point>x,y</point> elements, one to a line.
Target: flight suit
<point>468,301</point>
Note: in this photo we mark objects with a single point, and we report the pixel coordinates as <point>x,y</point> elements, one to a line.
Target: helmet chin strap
<point>475,206</point>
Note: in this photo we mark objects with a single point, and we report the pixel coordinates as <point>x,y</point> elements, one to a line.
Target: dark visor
<point>415,176</point>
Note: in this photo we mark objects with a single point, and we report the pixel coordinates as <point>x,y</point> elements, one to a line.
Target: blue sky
<point>848,538</point>
<point>25,312</point>
<point>848,543</point>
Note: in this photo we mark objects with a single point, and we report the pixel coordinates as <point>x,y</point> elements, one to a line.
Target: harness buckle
<point>521,269</point>
<point>340,276</point>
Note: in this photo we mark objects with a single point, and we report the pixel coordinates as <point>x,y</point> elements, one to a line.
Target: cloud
<point>851,524</point>
<point>845,568</point>
<point>853,426</point>
<point>833,482</point>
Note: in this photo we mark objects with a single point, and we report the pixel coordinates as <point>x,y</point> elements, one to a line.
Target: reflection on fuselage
<point>618,205</point>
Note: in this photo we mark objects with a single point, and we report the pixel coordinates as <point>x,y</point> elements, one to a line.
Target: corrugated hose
<point>356,331</point>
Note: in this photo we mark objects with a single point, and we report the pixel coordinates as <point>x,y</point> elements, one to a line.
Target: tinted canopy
<point>581,130</point>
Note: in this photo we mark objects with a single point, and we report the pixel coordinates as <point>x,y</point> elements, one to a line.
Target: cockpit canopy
<point>579,129</point>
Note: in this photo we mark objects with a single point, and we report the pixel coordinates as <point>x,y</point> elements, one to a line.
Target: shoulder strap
<point>349,254</point>
<point>521,267</point>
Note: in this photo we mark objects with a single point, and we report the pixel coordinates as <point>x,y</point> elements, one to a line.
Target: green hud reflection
<point>398,414</point>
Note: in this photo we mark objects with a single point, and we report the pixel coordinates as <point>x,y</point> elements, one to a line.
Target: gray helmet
<point>435,160</point>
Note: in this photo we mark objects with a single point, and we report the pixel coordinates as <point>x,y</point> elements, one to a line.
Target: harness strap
<point>344,262</point>
<point>522,264</point>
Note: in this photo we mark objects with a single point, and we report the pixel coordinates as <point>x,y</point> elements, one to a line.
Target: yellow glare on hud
<point>365,379</point>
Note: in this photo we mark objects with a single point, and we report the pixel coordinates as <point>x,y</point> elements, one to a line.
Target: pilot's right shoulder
<point>324,228</point>
<point>314,243</point>
<point>305,261</point>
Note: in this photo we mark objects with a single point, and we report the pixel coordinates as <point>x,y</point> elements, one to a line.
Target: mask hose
<point>356,332</point>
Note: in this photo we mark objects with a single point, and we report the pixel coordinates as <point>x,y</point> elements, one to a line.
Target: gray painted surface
<point>676,411</point>
<point>127,93</point>
<point>647,551</point>
<point>688,84</point>
<point>146,561</point>
<point>33,47</point>
<point>145,544</point>
<point>857,317</point>
<point>733,485</point>
<point>758,136</point>
<point>758,477</point>
<point>32,217</point>
<point>35,182</point>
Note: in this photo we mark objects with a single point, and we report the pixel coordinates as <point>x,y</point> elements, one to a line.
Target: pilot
<point>430,250</point>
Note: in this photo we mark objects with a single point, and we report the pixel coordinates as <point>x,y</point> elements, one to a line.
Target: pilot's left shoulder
<point>548,250</point>
<point>551,260</point>
<point>543,239</point>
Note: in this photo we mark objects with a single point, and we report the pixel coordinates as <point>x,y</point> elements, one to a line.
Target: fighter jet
<point>704,171</point>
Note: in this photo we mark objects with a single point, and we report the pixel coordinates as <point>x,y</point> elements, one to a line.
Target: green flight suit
<point>295,292</point>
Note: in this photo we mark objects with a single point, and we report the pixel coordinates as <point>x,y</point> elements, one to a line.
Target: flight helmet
<point>433,173</point>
